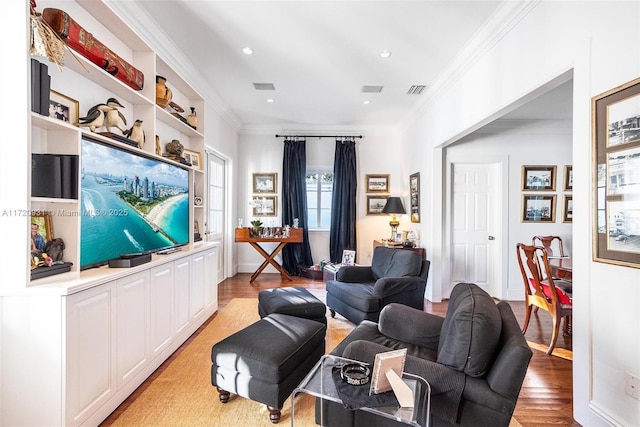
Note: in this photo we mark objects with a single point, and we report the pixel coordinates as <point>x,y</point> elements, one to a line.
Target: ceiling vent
<point>416,89</point>
<point>264,86</point>
<point>371,89</point>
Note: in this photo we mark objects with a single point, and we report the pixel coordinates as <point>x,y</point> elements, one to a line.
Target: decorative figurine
<point>136,133</point>
<point>163,93</point>
<point>95,117</point>
<point>112,117</point>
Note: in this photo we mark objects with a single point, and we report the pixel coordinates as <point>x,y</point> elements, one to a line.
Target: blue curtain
<point>294,204</point>
<point>343,205</point>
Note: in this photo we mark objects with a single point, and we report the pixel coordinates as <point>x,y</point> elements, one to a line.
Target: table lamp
<point>394,206</point>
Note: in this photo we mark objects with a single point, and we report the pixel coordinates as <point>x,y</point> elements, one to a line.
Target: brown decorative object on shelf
<point>163,93</point>
<point>83,42</point>
<point>192,119</point>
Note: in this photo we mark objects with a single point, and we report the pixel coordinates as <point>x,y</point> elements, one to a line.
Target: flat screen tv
<point>129,203</point>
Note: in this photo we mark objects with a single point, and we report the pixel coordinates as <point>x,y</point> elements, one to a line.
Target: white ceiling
<point>319,54</point>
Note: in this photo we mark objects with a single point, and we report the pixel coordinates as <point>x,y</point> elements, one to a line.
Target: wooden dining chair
<point>543,291</point>
<point>552,244</point>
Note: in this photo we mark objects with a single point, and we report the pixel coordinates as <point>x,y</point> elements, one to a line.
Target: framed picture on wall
<point>538,178</point>
<point>538,208</point>
<point>616,150</point>
<point>265,206</point>
<point>414,193</point>
<point>265,182</point>
<point>377,183</point>
<point>568,178</point>
<point>567,211</point>
<point>375,204</point>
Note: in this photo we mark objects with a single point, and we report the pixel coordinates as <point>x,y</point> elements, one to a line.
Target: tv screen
<point>129,203</point>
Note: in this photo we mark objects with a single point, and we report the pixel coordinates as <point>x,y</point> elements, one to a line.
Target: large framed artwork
<point>616,152</point>
<point>538,178</point>
<point>414,193</point>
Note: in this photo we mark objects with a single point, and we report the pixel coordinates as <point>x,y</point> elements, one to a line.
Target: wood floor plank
<point>546,397</point>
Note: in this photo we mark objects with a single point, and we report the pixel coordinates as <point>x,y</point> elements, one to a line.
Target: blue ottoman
<point>267,360</point>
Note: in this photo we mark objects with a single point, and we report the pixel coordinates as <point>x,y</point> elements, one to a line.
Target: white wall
<point>600,41</point>
<point>377,153</point>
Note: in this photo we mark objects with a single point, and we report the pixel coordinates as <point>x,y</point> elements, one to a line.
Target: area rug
<point>183,395</point>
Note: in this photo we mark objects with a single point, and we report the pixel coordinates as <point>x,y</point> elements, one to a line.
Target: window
<point>319,192</point>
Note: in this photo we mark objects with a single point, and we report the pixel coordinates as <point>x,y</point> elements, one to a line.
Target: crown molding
<point>502,21</point>
<point>148,30</point>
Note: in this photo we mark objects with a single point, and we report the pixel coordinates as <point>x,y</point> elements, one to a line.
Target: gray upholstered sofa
<point>395,275</point>
<point>475,359</point>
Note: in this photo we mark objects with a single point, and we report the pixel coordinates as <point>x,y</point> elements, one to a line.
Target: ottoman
<point>294,301</point>
<point>266,360</point>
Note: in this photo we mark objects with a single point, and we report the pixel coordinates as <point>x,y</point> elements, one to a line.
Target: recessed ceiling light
<point>385,54</point>
<point>247,50</point>
<point>366,102</point>
<point>270,100</point>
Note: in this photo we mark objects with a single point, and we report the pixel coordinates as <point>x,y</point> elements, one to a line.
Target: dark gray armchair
<point>475,359</point>
<point>395,275</point>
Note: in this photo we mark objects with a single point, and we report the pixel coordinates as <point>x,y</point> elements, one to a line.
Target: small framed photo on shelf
<point>414,192</point>
<point>538,178</point>
<point>265,182</point>
<point>192,157</point>
<point>538,208</point>
<point>63,108</point>
<point>265,206</point>
<point>377,183</point>
<point>41,231</point>
<point>568,178</point>
<point>567,212</point>
<point>375,204</point>
<point>348,257</point>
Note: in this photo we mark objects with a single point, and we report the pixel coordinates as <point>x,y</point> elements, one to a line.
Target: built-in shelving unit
<point>76,344</point>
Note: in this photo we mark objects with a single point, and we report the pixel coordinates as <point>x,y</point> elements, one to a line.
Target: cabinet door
<point>90,352</point>
<point>181,292</point>
<point>133,325</point>
<point>161,308</point>
<point>211,279</point>
<point>197,286</point>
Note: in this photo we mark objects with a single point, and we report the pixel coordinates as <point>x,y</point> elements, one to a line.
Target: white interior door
<point>214,226</point>
<point>474,225</point>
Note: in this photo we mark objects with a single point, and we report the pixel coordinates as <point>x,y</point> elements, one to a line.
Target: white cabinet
<point>181,302</point>
<point>161,308</point>
<point>90,378</point>
<point>196,305</point>
<point>211,278</point>
<point>132,314</point>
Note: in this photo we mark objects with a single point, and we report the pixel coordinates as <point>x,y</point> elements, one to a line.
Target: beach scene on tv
<point>129,204</point>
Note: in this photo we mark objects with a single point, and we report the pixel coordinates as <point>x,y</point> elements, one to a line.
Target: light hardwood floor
<point>546,396</point>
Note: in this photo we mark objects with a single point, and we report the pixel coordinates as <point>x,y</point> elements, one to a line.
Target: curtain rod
<point>319,136</point>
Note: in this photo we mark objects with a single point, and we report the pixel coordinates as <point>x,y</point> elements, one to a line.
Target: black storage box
<point>128,262</point>
<point>44,271</point>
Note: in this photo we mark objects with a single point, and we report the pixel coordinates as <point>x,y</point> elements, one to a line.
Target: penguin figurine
<point>136,133</point>
<point>112,117</point>
<point>95,117</point>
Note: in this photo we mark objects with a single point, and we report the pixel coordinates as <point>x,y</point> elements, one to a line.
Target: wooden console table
<point>295,236</point>
<point>420,251</point>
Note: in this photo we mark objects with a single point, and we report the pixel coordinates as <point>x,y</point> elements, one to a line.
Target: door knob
<point>492,238</point>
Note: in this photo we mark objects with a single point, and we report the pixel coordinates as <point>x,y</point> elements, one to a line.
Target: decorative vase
<point>192,119</point>
<point>255,232</point>
<point>163,93</point>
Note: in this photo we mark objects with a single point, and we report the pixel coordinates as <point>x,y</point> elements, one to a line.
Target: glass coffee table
<point>319,383</point>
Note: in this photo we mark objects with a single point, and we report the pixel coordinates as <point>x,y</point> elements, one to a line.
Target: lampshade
<point>394,206</point>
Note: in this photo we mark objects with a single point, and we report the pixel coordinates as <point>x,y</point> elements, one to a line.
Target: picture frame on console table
<point>63,108</point>
<point>616,152</point>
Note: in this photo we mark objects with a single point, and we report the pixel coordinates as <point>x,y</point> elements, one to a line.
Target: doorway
<point>475,225</point>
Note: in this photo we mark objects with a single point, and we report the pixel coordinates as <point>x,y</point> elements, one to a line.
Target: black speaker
<point>54,175</point>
